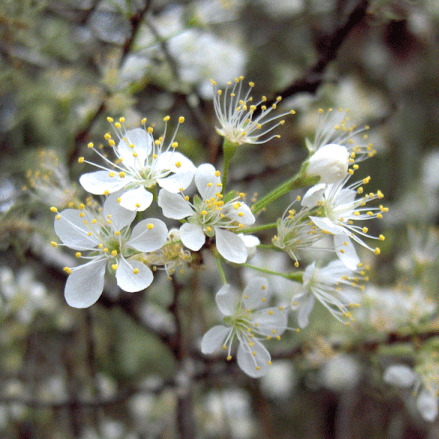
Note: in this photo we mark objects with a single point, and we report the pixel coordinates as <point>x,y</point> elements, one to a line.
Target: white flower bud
<point>330,163</point>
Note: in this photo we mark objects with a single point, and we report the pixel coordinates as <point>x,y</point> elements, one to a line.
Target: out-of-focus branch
<point>314,77</point>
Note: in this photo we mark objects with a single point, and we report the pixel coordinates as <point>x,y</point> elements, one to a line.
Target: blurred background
<point>112,371</point>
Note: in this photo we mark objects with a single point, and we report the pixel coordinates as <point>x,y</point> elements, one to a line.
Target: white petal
<point>127,280</point>
<point>142,142</point>
<point>192,236</point>
<point>400,375</point>
<point>146,238</point>
<point>313,195</point>
<point>120,217</point>
<point>326,224</point>
<point>255,293</point>
<point>99,182</point>
<point>251,242</point>
<point>427,405</point>
<point>230,246</point>
<point>137,199</point>
<point>175,162</point>
<point>226,300</point>
<point>247,217</point>
<point>253,360</point>
<point>214,339</point>
<point>84,286</point>
<point>305,311</point>
<point>72,231</point>
<point>270,320</point>
<point>206,181</point>
<point>330,163</point>
<point>176,182</point>
<point>174,205</point>
<point>346,252</point>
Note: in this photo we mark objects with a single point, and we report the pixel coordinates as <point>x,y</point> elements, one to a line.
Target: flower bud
<point>330,163</point>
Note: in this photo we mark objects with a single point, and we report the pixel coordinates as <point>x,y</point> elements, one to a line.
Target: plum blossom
<point>337,210</point>
<point>209,216</point>
<point>334,128</point>
<point>323,284</point>
<point>248,321</point>
<point>241,119</point>
<point>106,235</point>
<point>141,163</point>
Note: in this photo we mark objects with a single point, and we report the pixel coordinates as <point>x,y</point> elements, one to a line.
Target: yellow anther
<point>111,174</point>
<point>270,312</point>
<point>117,232</point>
<point>78,254</point>
<point>382,237</point>
<point>365,229</point>
<point>208,229</point>
<point>166,118</point>
<point>67,270</point>
<point>137,205</point>
<point>114,253</point>
<point>377,251</point>
<point>181,119</point>
<point>150,226</point>
<point>136,271</point>
<point>114,267</point>
<point>111,142</point>
<point>229,358</point>
<point>178,164</point>
<point>118,125</point>
<point>54,209</point>
<point>150,130</point>
<point>53,244</point>
<point>107,136</point>
<point>82,214</point>
<point>203,212</point>
<point>174,144</point>
<point>109,119</point>
<point>217,173</point>
<point>81,160</point>
<point>90,145</point>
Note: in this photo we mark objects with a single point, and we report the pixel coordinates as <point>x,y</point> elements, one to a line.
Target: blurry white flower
<point>246,321</point>
<point>108,238</point>
<point>21,295</point>
<point>330,163</point>
<point>242,120</point>
<point>201,55</point>
<point>426,377</point>
<point>141,164</point>
<point>49,182</point>
<point>209,216</point>
<point>340,373</point>
<point>280,380</point>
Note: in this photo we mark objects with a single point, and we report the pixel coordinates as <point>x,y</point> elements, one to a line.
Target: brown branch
<point>314,77</point>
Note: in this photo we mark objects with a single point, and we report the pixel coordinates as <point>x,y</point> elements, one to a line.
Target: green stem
<point>259,228</point>
<point>229,149</point>
<point>291,276</point>
<point>221,269</point>
<point>300,180</point>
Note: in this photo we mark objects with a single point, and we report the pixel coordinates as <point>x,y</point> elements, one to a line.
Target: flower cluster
<point>118,238</point>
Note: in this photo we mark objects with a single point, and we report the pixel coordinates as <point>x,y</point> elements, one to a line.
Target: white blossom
<point>209,216</point>
<point>248,322</point>
<point>141,163</point>
<point>324,284</point>
<point>241,119</point>
<point>337,210</point>
<point>107,236</point>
